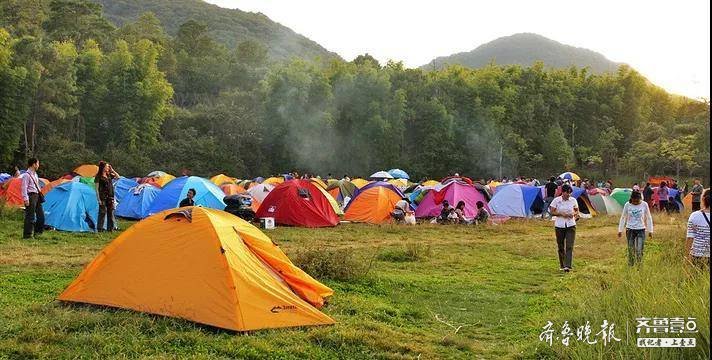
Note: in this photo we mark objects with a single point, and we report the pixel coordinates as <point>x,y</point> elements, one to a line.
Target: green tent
<point>621,195</point>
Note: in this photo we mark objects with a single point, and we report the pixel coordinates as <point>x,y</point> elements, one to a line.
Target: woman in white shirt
<point>698,234</point>
<point>636,218</point>
<point>565,208</point>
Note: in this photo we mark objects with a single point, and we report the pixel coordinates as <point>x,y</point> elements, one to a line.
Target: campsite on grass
<point>235,179</point>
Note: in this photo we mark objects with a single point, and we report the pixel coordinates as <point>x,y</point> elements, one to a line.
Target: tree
<point>77,21</point>
<point>13,81</point>
<point>556,150</point>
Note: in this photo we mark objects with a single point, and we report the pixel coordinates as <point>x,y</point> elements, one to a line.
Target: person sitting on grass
<point>460,213</point>
<point>482,213</point>
<point>444,213</point>
<point>400,210</point>
<point>188,201</point>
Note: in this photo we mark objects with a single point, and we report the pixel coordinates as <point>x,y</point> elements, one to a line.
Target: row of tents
<point>71,203</point>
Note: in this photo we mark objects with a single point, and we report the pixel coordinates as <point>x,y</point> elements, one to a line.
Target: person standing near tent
<point>565,208</point>
<point>663,196</point>
<point>550,189</point>
<point>635,219</point>
<point>636,187</point>
<point>105,195</point>
<point>698,234</point>
<point>188,201</point>
<point>648,195</point>
<point>33,199</point>
<point>696,194</point>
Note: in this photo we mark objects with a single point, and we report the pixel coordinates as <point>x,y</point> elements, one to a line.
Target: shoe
<point>567,269</point>
<point>561,269</point>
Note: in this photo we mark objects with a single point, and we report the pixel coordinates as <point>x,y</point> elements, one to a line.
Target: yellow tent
<point>86,170</point>
<point>431,183</point>
<point>402,184</point>
<point>203,265</point>
<point>360,182</point>
<point>332,201</point>
<point>164,179</point>
<point>319,182</point>
<point>274,180</point>
<point>220,179</point>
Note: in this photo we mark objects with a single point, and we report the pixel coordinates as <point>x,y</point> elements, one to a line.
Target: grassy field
<point>423,292</point>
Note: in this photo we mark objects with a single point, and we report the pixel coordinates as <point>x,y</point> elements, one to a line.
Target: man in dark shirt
<point>188,201</point>
<point>550,188</point>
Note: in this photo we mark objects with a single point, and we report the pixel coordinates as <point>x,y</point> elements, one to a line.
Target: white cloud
<point>669,42</point>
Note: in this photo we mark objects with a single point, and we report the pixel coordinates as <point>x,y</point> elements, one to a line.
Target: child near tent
<point>482,213</point>
<point>444,213</point>
<point>636,219</point>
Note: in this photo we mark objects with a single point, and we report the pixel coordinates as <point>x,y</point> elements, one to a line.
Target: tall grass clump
<point>409,252</point>
<point>335,264</point>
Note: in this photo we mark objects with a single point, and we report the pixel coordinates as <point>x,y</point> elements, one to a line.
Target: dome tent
<point>205,266</point>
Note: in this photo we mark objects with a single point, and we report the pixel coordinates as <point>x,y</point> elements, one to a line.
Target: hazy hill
<point>525,49</point>
<point>229,26</point>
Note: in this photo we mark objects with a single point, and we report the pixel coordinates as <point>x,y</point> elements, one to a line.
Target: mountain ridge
<point>227,26</point>
<point>525,49</point>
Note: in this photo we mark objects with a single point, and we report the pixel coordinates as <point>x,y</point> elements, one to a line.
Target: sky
<point>668,42</point>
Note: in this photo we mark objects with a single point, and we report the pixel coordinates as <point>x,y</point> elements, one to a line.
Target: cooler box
<point>267,223</point>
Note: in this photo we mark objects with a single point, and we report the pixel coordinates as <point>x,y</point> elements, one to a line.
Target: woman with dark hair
<point>566,210</point>
<point>482,213</point>
<point>635,218</point>
<point>105,195</point>
<point>460,212</point>
<point>698,234</point>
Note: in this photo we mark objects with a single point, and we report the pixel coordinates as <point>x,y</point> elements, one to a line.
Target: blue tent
<point>208,194</point>
<point>4,177</point>
<point>122,187</point>
<point>71,206</point>
<point>398,174</point>
<point>137,202</point>
<point>516,200</point>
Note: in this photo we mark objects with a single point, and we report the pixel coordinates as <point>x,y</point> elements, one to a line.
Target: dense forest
<point>74,88</point>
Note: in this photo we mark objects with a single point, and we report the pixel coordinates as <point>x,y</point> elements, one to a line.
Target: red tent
<point>298,203</point>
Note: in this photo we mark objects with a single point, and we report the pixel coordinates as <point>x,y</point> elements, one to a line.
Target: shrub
<point>335,264</point>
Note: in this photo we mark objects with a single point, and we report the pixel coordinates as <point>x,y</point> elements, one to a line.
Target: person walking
<point>635,219</point>
<point>698,234</point>
<point>105,195</point>
<point>33,199</point>
<point>696,192</point>
<point>566,210</point>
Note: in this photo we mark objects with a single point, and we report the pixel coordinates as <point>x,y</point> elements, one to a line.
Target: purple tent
<point>431,204</point>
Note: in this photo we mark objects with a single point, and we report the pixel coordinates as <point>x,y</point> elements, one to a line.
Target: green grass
<point>500,283</point>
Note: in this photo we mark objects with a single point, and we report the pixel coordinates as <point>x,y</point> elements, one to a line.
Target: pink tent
<point>431,204</point>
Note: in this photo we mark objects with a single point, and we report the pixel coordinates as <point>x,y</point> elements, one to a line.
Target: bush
<point>334,264</point>
<point>410,252</point>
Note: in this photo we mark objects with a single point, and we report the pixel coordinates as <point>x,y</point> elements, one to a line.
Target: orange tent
<point>373,203</point>
<point>47,188</point>
<point>11,192</point>
<point>86,170</point>
<point>233,277</point>
<point>687,200</point>
<point>232,189</point>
